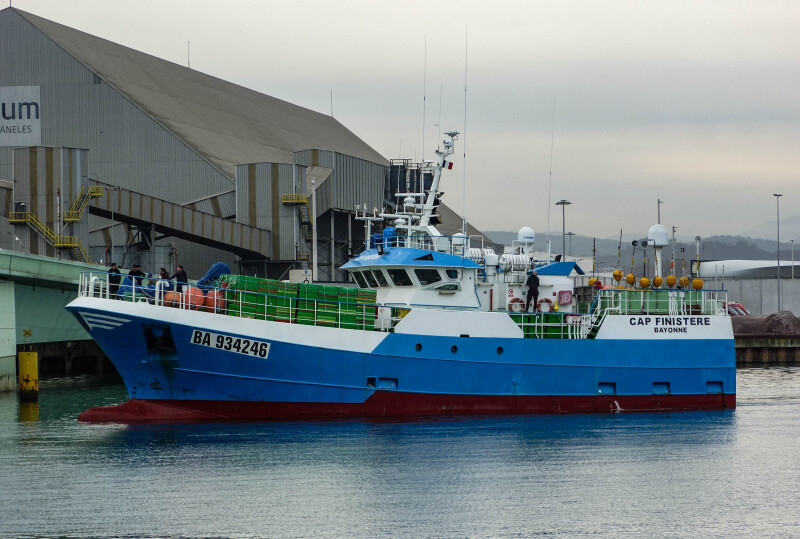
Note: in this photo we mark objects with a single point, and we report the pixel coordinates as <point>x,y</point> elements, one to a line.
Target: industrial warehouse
<point>115,155</point>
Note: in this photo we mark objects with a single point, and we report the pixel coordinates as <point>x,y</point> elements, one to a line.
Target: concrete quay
<point>33,292</point>
<point>758,351</point>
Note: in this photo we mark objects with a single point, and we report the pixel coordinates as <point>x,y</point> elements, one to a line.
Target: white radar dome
<point>658,236</point>
<point>526,235</point>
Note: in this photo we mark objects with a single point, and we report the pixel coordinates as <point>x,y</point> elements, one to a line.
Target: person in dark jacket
<point>181,278</point>
<point>113,281</point>
<point>137,273</point>
<point>533,290</point>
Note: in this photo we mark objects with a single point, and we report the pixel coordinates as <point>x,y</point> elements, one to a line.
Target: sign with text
<point>661,326</point>
<point>20,116</point>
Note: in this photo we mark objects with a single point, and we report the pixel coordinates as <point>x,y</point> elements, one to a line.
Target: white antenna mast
<point>424,89</point>
<point>464,142</point>
<point>439,125</point>
<point>550,188</point>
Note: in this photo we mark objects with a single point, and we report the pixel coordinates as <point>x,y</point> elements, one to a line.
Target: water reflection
<point>720,473</point>
<point>28,412</point>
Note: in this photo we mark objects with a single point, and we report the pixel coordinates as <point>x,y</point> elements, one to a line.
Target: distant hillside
<point>790,228</point>
<point>711,248</point>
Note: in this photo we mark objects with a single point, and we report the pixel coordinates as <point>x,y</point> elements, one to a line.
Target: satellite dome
<point>526,235</point>
<point>658,236</point>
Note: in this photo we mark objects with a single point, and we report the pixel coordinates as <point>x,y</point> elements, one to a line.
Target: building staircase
<point>74,214</point>
<point>80,203</point>
<point>306,219</point>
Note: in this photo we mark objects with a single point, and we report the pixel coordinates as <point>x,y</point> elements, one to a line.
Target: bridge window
<point>448,287</point>
<point>370,280</point>
<point>359,279</point>
<point>427,276</point>
<point>451,273</point>
<point>380,278</point>
<point>399,277</point>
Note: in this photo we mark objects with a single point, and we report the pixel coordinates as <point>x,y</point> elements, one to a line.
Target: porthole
<point>418,347</point>
<point>499,350</point>
<point>454,348</point>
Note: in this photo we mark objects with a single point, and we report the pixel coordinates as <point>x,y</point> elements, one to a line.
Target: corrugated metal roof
<point>225,123</point>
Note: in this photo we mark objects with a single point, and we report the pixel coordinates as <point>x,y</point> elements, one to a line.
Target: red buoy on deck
<point>171,299</point>
<point>215,301</point>
<point>194,298</point>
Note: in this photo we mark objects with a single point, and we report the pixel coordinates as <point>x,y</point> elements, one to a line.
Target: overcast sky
<point>693,102</point>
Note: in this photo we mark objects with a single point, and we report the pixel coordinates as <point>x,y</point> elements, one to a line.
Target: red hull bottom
<point>397,404</point>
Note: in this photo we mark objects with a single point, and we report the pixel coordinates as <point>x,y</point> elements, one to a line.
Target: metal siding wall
<point>225,204</point>
<point>130,149</point>
<point>38,176</point>
<point>324,158</point>
<point>324,193</point>
<point>241,195</point>
<point>127,147</point>
<point>264,195</point>
<point>286,215</point>
<point>74,176</point>
<point>259,202</point>
<point>358,182</point>
<point>197,259</point>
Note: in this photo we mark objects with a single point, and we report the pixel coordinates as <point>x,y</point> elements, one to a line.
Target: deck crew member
<point>181,278</point>
<point>113,281</point>
<point>137,273</point>
<point>533,289</point>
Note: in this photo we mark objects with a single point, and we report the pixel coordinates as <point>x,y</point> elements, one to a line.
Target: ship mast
<point>427,208</point>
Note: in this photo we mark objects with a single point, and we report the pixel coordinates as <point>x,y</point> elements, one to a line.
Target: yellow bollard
<point>28,376</point>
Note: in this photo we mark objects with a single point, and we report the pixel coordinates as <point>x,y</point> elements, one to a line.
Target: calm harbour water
<point>697,474</point>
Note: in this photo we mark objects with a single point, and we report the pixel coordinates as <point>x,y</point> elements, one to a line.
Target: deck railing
<point>245,304</point>
<point>375,317</point>
<point>664,302</point>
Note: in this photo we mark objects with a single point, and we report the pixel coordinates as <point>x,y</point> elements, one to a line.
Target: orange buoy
<point>194,298</point>
<point>171,299</point>
<point>215,301</point>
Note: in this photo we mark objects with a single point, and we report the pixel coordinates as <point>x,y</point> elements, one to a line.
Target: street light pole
<point>778,209</point>
<point>563,203</point>
<point>109,190</point>
<point>570,234</point>
<point>313,230</point>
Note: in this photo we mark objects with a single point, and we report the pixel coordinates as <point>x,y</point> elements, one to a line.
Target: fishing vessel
<point>438,325</point>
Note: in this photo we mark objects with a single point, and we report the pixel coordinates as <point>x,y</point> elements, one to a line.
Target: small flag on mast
<point>448,165</point>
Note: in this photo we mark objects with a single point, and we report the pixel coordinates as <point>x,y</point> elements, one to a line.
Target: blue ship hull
<point>187,365</point>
